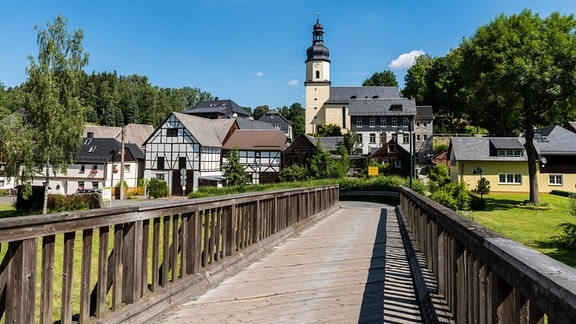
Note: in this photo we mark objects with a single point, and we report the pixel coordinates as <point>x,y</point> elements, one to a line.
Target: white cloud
<point>405,60</point>
<point>259,74</point>
<point>292,82</point>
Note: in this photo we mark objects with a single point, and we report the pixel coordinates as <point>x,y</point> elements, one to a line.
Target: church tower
<point>317,82</point>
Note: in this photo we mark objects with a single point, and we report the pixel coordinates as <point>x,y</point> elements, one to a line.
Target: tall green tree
<point>415,80</point>
<point>234,170</point>
<point>384,78</point>
<point>526,64</point>
<point>54,110</point>
<point>296,115</point>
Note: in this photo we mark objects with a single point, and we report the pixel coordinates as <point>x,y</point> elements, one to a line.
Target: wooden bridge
<point>296,255</point>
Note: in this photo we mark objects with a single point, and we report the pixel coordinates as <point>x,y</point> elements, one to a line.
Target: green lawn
<point>534,228</point>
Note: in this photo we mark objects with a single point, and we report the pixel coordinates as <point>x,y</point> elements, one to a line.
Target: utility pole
<point>122,165</point>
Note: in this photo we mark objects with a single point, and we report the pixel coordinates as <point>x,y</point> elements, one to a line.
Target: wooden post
<point>21,285</point>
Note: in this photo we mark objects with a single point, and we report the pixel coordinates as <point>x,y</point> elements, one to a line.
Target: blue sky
<point>251,51</point>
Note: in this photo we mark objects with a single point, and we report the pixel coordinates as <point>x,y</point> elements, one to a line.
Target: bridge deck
<point>349,267</point>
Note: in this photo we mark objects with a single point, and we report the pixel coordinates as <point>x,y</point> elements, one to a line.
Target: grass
<point>536,228</point>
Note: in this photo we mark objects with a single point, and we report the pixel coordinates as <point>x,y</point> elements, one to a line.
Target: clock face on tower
<point>316,63</point>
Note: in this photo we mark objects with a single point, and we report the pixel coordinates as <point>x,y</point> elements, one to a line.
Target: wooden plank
<point>68,277</point>
<point>174,251</point>
<point>156,255</point>
<point>21,287</point>
<point>165,268</point>
<point>144,257</point>
<point>47,285</point>
<point>102,284</point>
<point>197,242</point>
<point>85,275</point>
<point>118,275</point>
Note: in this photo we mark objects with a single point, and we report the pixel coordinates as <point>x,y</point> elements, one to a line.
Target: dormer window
<point>396,107</point>
<point>92,149</point>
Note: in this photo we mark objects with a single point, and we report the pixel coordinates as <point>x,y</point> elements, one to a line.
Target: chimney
<point>90,134</point>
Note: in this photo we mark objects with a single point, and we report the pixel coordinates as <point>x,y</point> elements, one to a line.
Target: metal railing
<point>113,263</point>
<point>485,277</point>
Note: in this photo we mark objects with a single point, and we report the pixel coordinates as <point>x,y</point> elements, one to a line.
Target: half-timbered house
<point>260,152</point>
<point>184,149</point>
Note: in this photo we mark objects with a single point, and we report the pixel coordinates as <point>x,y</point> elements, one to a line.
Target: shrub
<point>62,203</point>
<point>293,173</point>
<point>158,188</point>
<point>483,186</point>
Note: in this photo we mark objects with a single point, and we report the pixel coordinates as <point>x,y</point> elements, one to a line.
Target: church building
<point>375,114</point>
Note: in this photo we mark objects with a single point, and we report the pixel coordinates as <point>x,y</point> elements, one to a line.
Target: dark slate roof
<point>227,108</point>
<point>382,107</point>
<point>424,112</point>
<point>556,140</point>
<point>509,143</point>
<point>345,94</point>
<point>329,143</point>
<point>97,150</point>
<point>257,140</point>
<point>135,150</point>
<point>273,117</point>
<point>247,123</point>
<point>478,149</point>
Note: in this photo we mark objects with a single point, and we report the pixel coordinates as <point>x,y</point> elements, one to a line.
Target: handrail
<point>484,276</point>
<point>109,259</point>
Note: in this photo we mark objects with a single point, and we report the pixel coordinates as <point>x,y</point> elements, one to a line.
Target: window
<point>126,168</point>
<point>555,179</point>
<point>358,122</point>
<point>82,168</point>
<point>405,122</point>
<point>391,148</point>
<point>418,137</point>
<point>160,176</point>
<point>383,122</point>
<point>1,183</point>
<point>394,122</point>
<point>418,124</point>
<point>317,74</point>
<point>425,124</point>
<point>372,138</point>
<point>509,152</point>
<point>405,138</point>
<point>509,178</point>
<point>398,164</point>
<point>372,122</point>
<point>344,117</point>
<point>181,162</point>
<point>160,163</point>
<point>95,185</point>
<point>425,137</point>
<point>80,185</point>
<point>172,132</point>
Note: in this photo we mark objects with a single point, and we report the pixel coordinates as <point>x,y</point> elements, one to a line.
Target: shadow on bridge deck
<point>350,267</point>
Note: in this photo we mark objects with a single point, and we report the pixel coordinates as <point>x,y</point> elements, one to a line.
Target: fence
<point>111,264</point>
<point>485,277</point>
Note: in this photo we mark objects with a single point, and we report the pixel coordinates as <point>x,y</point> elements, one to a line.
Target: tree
<point>526,64</point>
<point>234,170</point>
<point>296,115</point>
<point>384,78</point>
<point>53,106</point>
<point>260,111</point>
<point>415,80</point>
<point>329,130</point>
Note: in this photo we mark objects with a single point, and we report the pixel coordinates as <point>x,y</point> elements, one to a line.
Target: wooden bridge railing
<point>90,265</point>
<point>485,277</point>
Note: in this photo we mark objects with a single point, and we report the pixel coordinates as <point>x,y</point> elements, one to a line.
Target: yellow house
<point>503,161</point>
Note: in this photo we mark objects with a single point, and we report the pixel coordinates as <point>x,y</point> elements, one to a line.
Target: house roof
<point>256,140</point>
<point>97,150</point>
<point>208,132</point>
<point>345,94</point>
<point>227,108</point>
<point>479,148</point>
<point>329,143</point>
<point>424,112</point>
<point>133,133</point>
<point>247,123</point>
<point>556,140</point>
<point>381,107</point>
<point>274,117</point>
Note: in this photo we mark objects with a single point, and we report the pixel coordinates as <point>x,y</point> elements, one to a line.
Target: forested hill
<point>113,100</point>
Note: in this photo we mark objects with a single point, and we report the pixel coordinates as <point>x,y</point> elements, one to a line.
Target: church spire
<point>318,51</point>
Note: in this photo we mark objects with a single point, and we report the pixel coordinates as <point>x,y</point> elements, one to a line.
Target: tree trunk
<point>532,158</point>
